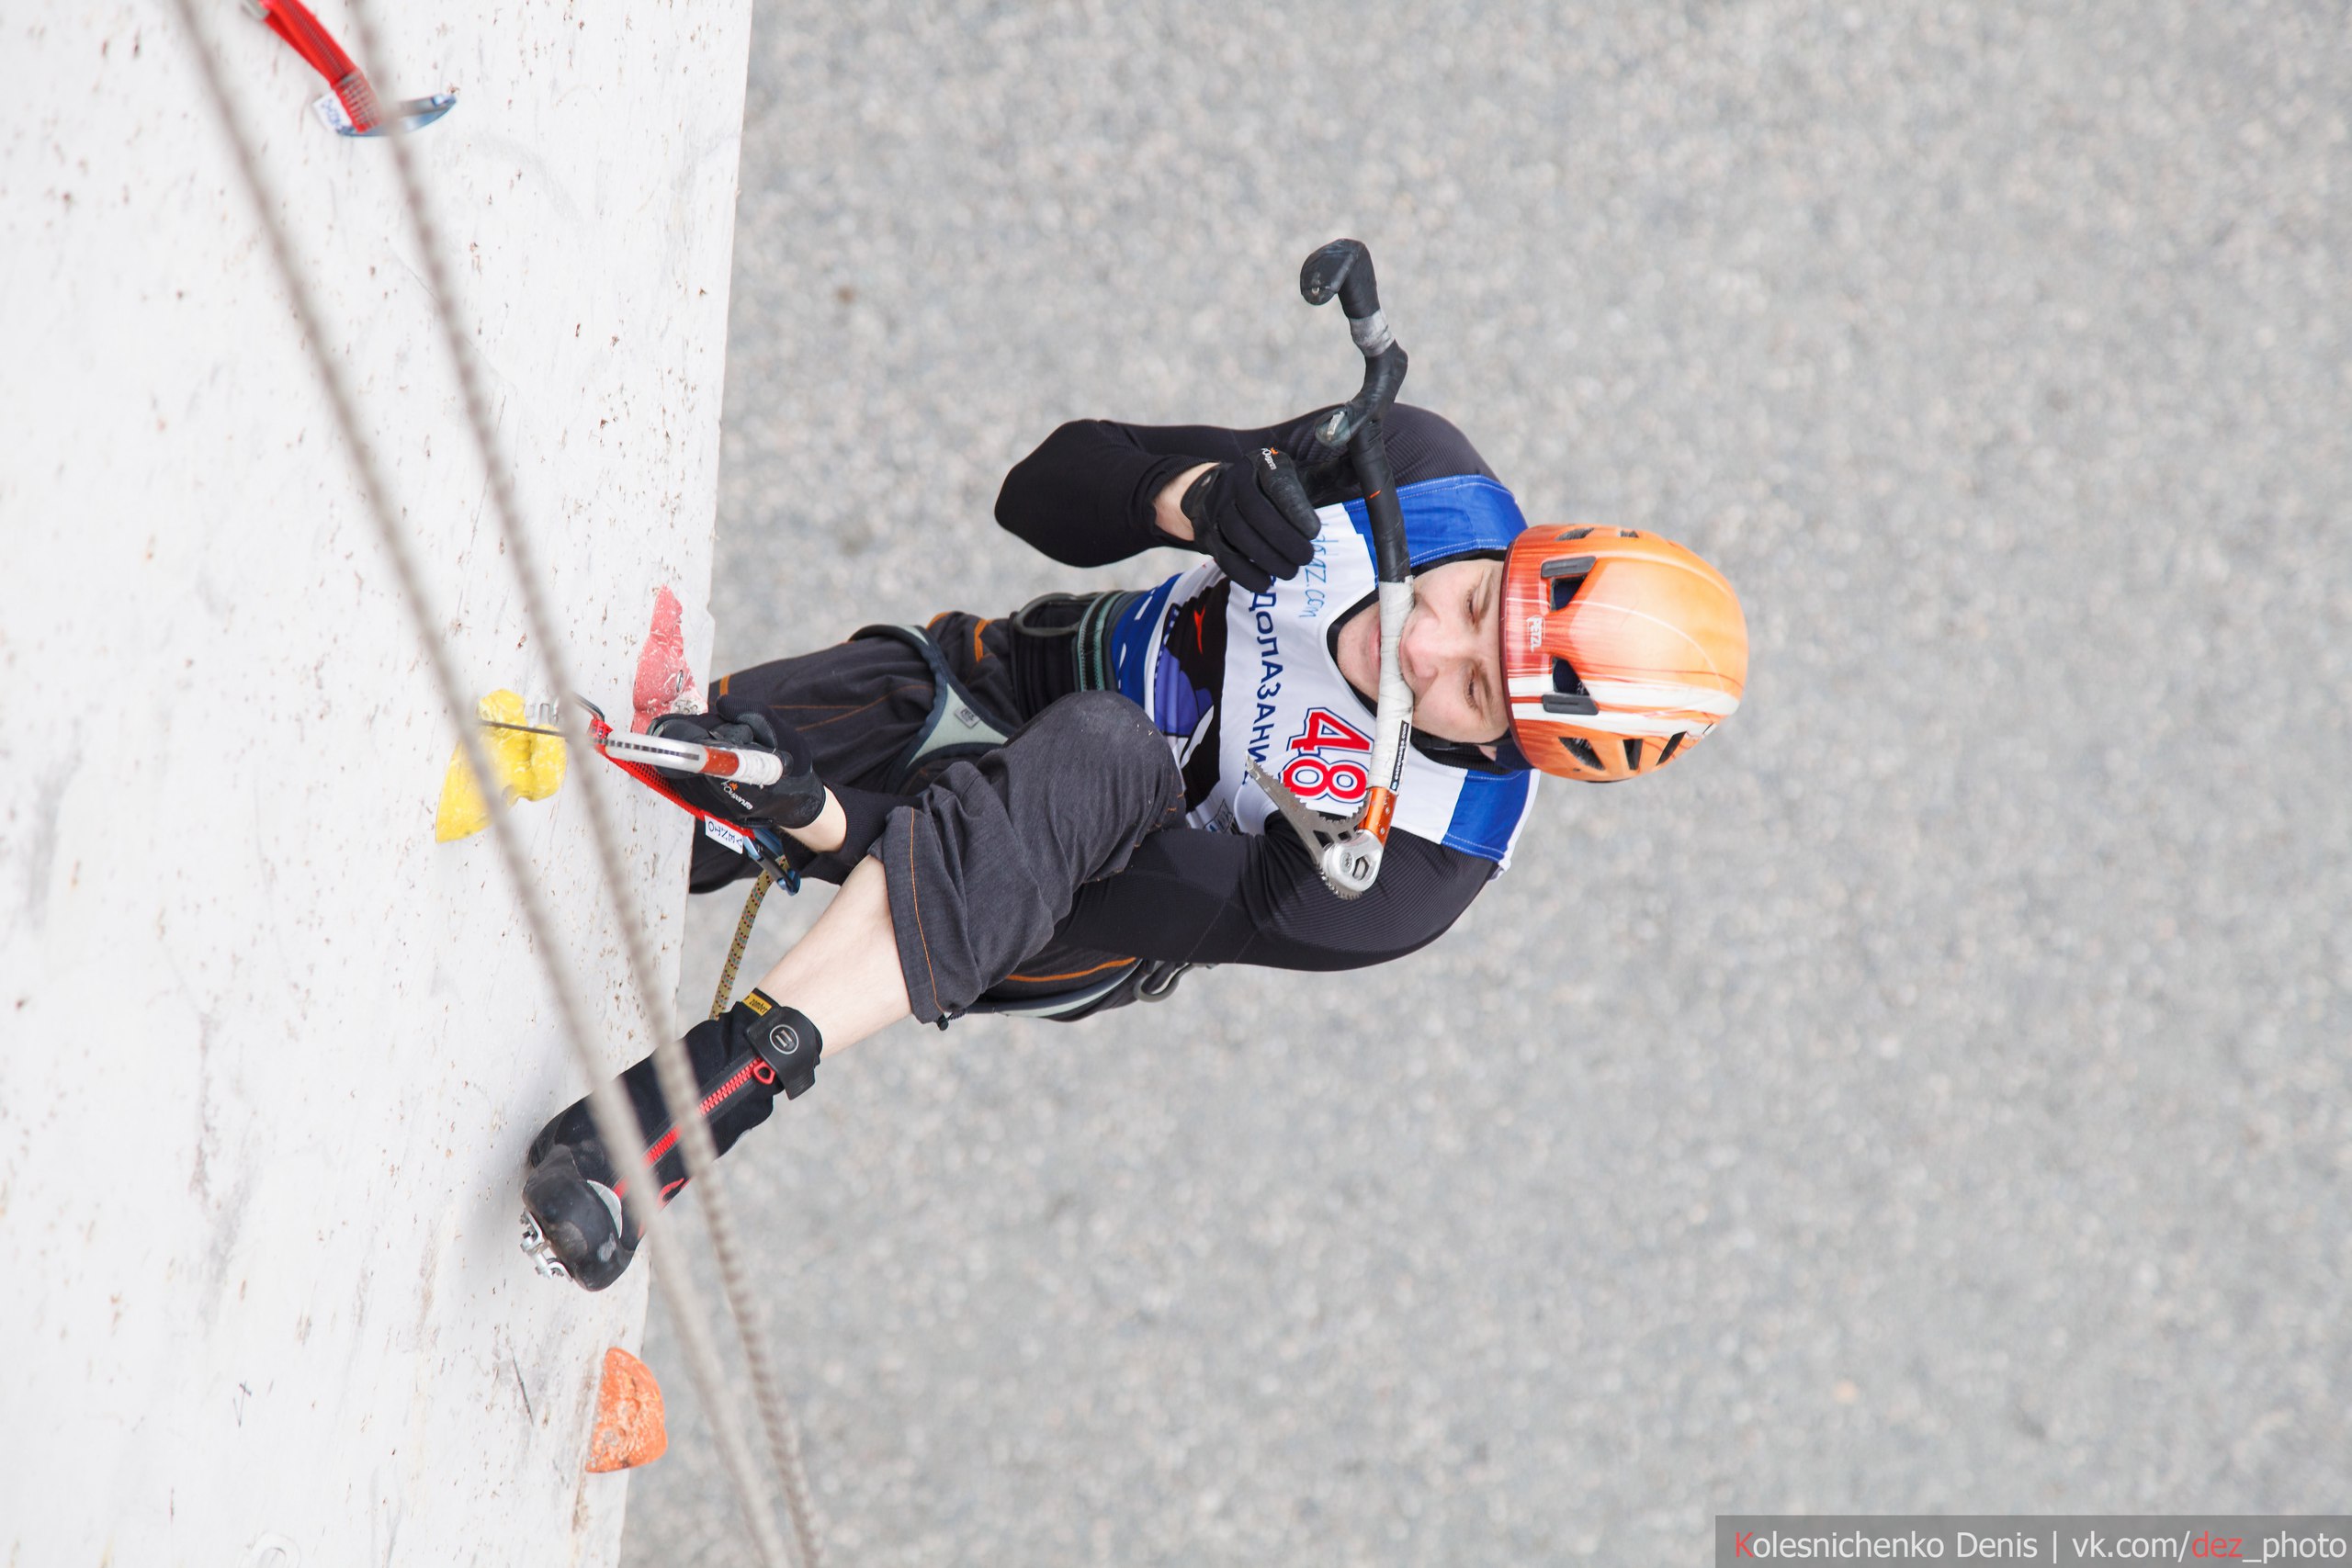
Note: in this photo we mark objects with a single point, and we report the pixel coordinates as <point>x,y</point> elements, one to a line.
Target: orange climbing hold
<point>629,1415</point>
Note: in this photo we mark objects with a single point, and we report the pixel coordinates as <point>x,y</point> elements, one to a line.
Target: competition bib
<point>1233,678</point>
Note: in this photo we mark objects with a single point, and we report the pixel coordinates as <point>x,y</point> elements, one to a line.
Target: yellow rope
<point>726,997</point>
<point>783,1433</point>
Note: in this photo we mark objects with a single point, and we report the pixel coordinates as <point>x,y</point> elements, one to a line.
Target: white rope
<point>615,1123</point>
<point>670,1065</point>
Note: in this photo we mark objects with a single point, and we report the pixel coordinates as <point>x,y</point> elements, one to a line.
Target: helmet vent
<point>1633,754</point>
<point>1567,693</point>
<point>1581,750</point>
<point>1566,574</point>
<point>1672,741</point>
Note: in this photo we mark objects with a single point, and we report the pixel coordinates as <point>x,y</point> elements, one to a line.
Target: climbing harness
<point>960,726</point>
<point>1090,653</point>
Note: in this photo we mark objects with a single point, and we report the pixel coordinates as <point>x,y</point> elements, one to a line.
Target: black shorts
<point>984,852</point>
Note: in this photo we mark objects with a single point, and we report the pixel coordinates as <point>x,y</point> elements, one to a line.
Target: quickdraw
<point>351,109</point>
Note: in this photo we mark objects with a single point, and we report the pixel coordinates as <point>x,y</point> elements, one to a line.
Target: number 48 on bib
<point>1309,774</point>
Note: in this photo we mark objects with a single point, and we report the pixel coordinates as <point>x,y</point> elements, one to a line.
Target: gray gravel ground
<point>1932,1095</point>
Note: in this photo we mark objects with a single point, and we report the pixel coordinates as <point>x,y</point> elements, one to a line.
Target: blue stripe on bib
<point>1450,516</point>
<point>1487,812</point>
<point>1132,645</point>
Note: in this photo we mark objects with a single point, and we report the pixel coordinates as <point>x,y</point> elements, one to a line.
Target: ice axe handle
<point>1342,270</point>
<point>750,766</point>
<point>1352,434</point>
<point>1343,267</point>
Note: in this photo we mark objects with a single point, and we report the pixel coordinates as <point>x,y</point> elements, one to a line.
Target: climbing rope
<point>783,1433</point>
<point>672,1069</point>
<point>615,1123</point>
<point>752,902</point>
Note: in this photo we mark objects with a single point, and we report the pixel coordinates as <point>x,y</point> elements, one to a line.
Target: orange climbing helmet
<point>1623,649</point>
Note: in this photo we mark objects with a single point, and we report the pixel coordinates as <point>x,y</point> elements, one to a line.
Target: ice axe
<point>1349,849</point>
<point>646,758</point>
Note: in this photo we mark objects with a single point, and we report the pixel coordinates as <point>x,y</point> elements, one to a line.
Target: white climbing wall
<point>269,1055</point>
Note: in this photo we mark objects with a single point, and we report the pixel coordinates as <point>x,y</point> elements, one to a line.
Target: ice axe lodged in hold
<point>529,751</point>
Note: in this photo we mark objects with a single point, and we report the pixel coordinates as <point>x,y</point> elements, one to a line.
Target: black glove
<point>794,801</point>
<point>1254,519</point>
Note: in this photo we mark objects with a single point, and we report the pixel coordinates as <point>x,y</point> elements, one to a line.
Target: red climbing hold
<point>664,682</point>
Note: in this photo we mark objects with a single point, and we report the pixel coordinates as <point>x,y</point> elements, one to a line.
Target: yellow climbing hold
<point>529,767</point>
